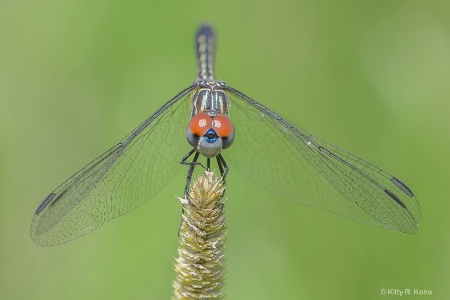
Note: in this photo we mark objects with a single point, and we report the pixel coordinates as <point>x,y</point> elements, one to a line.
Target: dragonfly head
<point>210,134</point>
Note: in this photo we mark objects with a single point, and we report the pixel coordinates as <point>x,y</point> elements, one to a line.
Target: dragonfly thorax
<point>211,98</point>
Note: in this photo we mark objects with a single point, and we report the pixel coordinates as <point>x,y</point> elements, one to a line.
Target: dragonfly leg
<point>184,161</point>
<point>192,165</point>
<point>223,168</point>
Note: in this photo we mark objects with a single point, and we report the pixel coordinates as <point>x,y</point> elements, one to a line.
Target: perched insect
<point>268,148</point>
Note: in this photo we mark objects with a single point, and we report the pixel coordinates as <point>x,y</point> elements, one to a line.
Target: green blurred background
<point>77,76</point>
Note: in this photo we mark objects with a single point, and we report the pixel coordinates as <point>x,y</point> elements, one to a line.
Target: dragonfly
<point>263,145</point>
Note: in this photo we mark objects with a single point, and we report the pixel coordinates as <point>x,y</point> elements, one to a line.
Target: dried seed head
<point>200,263</point>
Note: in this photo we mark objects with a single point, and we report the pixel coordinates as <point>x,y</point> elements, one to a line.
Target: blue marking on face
<point>211,136</point>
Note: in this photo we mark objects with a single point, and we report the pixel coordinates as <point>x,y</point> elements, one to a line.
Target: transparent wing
<point>119,180</point>
<point>291,162</point>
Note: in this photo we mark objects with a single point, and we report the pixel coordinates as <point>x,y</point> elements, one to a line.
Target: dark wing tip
<point>393,196</point>
<point>412,229</point>
<point>402,186</point>
<point>47,200</point>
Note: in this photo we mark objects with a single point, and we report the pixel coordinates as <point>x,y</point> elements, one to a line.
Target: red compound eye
<point>200,123</point>
<point>223,126</point>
